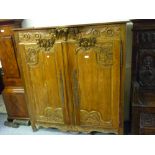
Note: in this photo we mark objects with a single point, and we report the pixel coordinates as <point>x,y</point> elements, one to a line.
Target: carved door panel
<point>94,70</point>
<point>43,72</point>
<point>8,59</point>
<point>146,68</point>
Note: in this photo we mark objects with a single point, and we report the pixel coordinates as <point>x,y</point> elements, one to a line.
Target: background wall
<point>47,23</point>
<point>65,21</point>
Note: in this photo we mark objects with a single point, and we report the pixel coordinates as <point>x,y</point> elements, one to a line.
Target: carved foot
<point>21,122</point>
<point>34,128</point>
<point>11,124</point>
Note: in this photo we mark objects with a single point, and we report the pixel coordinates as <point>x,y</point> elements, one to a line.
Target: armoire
<point>74,76</point>
<point>13,93</point>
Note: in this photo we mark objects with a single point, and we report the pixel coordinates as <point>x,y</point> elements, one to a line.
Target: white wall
<point>64,21</point>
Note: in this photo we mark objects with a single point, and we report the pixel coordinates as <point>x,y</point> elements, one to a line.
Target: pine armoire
<point>74,76</point>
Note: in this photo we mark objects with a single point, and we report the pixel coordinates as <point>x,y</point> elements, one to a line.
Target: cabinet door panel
<point>44,77</point>
<point>95,83</point>
<point>8,59</point>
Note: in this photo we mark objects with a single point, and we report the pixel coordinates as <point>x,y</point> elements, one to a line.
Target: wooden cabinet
<point>143,77</point>
<point>74,76</point>
<point>13,93</point>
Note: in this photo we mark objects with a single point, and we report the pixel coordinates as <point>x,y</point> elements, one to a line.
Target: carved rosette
<point>101,32</point>
<point>30,37</point>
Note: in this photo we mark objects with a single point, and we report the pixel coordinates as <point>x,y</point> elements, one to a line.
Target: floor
<point>2,106</point>
<point>27,130</point>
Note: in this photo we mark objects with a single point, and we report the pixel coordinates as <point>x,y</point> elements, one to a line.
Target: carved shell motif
<point>52,115</point>
<point>91,118</point>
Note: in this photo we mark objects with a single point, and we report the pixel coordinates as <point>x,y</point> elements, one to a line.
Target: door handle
<point>61,88</point>
<point>121,54</point>
<point>75,88</point>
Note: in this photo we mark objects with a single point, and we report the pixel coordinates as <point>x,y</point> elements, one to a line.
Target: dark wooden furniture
<point>143,77</point>
<point>74,76</point>
<point>13,93</point>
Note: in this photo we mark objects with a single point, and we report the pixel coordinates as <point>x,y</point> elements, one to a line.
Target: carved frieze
<point>86,38</point>
<point>32,37</point>
<point>106,31</point>
<point>65,33</point>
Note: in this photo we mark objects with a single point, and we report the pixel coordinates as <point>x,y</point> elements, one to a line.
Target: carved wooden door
<point>94,64</point>
<point>43,73</point>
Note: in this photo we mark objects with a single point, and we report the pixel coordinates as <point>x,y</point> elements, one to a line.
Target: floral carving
<point>64,33</point>
<point>61,32</point>
<point>47,44</point>
<point>87,42</point>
